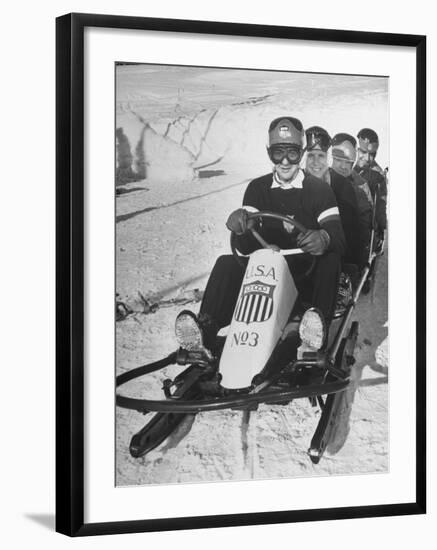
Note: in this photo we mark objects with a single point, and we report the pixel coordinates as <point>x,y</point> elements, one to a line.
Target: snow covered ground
<point>189,141</point>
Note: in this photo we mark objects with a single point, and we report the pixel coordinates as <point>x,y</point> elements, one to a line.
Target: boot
<point>196,333</point>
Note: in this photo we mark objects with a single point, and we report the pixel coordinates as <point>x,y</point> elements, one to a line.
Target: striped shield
<point>255,304</point>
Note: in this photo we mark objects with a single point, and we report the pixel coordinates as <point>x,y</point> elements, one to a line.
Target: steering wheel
<point>280,217</point>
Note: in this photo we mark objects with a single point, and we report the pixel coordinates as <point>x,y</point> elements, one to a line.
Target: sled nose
<point>264,304</point>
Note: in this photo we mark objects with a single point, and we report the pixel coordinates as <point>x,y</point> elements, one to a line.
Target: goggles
<point>277,153</point>
<point>342,158</point>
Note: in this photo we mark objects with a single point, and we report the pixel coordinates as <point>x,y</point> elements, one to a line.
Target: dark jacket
<point>350,217</point>
<point>313,204</point>
<point>378,187</point>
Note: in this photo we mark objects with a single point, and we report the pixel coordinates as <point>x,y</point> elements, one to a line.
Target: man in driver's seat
<point>287,190</point>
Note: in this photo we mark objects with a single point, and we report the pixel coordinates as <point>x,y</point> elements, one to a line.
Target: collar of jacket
<point>296,183</point>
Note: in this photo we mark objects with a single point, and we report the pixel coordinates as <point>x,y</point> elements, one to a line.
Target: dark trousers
<point>224,283</point>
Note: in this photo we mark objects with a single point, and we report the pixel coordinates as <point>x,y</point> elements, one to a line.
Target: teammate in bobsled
<point>316,163</point>
<point>344,155</point>
<point>289,191</point>
<point>367,168</point>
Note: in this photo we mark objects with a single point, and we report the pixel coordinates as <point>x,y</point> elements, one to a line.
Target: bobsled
<point>276,349</point>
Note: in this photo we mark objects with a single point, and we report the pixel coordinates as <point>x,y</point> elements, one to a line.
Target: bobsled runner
<point>275,350</point>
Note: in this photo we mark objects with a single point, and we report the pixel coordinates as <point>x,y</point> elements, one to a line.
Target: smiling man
<point>318,144</point>
<point>289,191</point>
<point>286,190</point>
<point>367,168</point>
<point>344,154</point>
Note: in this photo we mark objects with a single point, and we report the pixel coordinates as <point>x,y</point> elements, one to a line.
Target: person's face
<point>285,170</point>
<point>286,161</point>
<point>342,166</point>
<point>364,157</point>
<point>317,163</point>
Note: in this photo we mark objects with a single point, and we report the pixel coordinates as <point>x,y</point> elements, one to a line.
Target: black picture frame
<point>70,273</point>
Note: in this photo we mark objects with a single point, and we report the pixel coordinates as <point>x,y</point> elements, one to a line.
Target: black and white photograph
<point>251,258</point>
<point>217,292</point>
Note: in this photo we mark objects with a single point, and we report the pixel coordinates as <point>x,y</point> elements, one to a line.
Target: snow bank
<point>180,121</point>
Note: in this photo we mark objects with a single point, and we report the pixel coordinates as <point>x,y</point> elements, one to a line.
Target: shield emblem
<point>284,132</point>
<point>255,304</point>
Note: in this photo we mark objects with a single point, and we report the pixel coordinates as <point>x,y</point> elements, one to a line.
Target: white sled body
<point>266,298</point>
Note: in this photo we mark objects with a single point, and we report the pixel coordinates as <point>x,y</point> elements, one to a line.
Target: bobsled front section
<point>266,298</point>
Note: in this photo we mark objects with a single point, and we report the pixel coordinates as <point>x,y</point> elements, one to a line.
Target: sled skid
<point>163,424</point>
<point>333,403</point>
<point>154,433</point>
<point>325,426</point>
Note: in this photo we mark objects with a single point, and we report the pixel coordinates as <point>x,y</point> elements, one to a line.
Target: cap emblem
<point>284,132</point>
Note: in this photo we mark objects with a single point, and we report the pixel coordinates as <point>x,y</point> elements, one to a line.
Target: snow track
<point>218,445</point>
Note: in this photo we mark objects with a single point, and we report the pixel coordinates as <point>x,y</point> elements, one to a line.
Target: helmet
<point>344,147</point>
<point>287,131</point>
<point>317,138</point>
<point>368,140</point>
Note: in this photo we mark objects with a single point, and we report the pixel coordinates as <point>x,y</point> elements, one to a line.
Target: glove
<point>238,221</point>
<point>314,241</point>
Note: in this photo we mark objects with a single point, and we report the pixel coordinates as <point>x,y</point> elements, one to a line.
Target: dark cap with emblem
<point>286,131</point>
<point>317,138</point>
